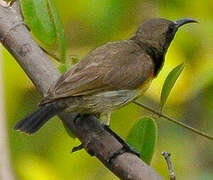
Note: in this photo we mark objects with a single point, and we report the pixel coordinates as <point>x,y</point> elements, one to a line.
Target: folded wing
<point>115,66</point>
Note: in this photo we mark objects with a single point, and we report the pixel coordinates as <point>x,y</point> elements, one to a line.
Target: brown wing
<point>121,65</point>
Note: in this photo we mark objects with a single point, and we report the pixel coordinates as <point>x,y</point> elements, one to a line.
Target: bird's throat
<point>156,55</point>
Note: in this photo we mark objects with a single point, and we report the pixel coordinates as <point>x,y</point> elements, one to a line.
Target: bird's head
<point>158,33</point>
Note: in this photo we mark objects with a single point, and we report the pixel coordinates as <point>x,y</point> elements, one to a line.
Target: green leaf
<point>37,16</point>
<point>44,23</point>
<point>169,83</point>
<point>62,68</point>
<point>74,60</point>
<point>143,137</point>
<point>59,31</point>
<point>68,64</point>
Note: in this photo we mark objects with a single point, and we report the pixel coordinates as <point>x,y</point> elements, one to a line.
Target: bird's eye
<point>171,29</point>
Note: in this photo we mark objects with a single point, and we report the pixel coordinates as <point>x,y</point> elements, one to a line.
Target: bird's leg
<point>126,147</point>
<point>82,145</point>
<point>77,148</point>
<point>106,118</point>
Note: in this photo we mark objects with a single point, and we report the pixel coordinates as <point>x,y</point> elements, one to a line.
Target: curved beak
<point>183,21</point>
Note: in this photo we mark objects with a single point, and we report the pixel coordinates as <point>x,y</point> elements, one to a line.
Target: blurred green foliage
<point>88,24</point>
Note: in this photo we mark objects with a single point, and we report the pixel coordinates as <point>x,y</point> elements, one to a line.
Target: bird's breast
<point>144,86</point>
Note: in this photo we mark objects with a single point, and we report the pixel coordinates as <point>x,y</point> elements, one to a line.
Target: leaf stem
<point>173,120</point>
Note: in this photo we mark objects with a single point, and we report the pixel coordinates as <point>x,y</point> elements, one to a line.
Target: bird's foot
<point>77,148</point>
<point>126,147</point>
<point>80,147</point>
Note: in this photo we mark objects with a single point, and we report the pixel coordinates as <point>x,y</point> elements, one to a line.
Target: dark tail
<point>38,118</point>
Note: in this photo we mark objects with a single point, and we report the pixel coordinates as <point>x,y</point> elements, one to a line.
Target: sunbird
<point>109,77</point>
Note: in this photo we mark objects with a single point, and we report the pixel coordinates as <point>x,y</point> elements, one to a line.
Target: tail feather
<point>38,118</point>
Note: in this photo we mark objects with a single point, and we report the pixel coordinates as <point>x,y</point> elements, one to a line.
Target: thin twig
<point>167,156</point>
<point>173,120</point>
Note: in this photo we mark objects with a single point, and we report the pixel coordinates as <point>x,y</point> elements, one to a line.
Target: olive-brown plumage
<point>110,76</point>
<point>114,66</point>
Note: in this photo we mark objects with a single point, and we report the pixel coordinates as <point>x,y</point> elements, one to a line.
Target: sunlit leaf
<point>169,83</point>
<point>143,137</point>
<point>44,22</point>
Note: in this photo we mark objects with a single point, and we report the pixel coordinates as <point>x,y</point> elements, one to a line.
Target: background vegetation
<point>91,23</point>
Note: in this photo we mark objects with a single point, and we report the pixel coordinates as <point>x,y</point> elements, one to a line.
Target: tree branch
<point>15,36</point>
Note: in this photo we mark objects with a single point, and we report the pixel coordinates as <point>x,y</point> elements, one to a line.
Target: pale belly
<point>105,102</point>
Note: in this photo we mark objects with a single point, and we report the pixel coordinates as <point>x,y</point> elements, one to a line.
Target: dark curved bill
<point>183,21</point>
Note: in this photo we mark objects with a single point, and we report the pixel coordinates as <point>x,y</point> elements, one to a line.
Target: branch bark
<point>15,36</point>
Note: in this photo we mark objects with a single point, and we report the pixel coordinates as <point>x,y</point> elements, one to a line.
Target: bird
<point>109,77</point>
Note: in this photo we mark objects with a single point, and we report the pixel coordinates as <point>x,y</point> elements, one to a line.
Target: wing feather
<point>120,66</point>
